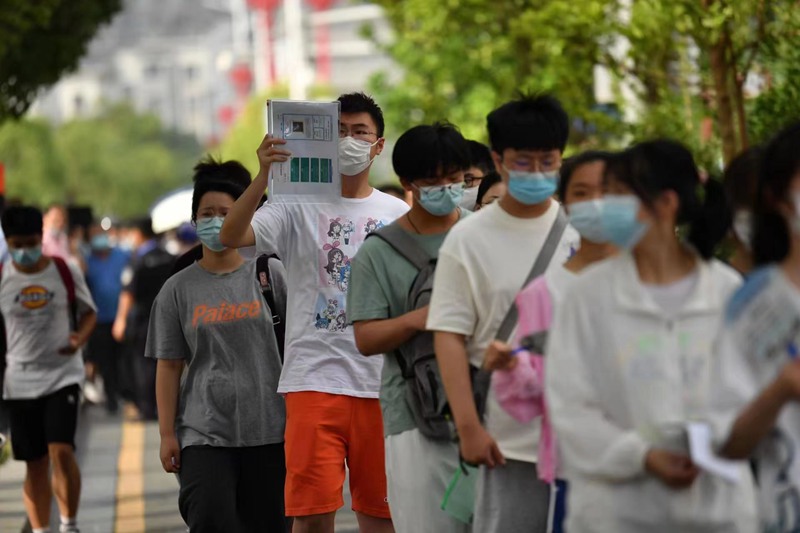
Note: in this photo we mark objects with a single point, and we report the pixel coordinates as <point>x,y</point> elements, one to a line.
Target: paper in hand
<point>703,456</point>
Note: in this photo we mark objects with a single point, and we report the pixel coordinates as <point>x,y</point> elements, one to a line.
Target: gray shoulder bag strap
<point>482,378</point>
<point>404,244</point>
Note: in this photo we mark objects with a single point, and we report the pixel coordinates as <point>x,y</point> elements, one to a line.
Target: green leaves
<point>40,41</point>
<point>119,162</point>
<point>460,59</point>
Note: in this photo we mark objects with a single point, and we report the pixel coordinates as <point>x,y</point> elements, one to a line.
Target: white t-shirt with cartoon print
<point>315,243</point>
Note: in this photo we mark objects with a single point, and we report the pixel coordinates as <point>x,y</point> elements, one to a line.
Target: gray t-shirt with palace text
<point>217,323</point>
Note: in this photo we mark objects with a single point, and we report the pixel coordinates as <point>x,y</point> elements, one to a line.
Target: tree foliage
<point>461,59</point>
<point>40,41</point>
<point>118,162</point>
<point>676,67</point>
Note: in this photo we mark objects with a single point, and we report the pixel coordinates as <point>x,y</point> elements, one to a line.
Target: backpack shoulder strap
<point>262,274</point>
<point>403,244</point>
<point>539,266</point>
<point>69,283</point>
<point>267,290</point>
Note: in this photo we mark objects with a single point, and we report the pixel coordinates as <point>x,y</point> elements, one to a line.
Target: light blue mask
<point>531,188</point>
<point>619,222</point>
<point>26,257</point>
<point>208,233</point>
<point>101,242</point>
<point>441,200</point>
<point>586,218</point>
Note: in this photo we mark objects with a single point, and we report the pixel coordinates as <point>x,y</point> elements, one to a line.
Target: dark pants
<point>107,353</point>
<point>233,490</point>
<point>143,371</point>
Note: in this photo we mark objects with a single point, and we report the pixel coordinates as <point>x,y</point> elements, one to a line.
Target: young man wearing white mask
<point>333,412</point>
<point>483,263</point>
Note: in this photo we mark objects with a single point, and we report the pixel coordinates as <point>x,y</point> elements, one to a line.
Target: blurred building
<point>194,62</point>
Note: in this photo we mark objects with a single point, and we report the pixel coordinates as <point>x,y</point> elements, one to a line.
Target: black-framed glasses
<point>470,180</point>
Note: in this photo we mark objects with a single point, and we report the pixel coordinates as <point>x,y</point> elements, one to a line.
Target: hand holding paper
<point>702,452</point>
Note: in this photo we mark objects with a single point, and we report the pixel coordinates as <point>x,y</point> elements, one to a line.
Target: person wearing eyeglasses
<point>482,265</point>
<point>331,390</point>
<point>431,161</point>
<point>480,164</point>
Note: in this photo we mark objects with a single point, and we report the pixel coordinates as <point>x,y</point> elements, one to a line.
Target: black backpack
<point>265,280</point>
<point>424,392</point>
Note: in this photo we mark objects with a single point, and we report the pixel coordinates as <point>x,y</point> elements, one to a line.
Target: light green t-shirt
<point>380,279</point>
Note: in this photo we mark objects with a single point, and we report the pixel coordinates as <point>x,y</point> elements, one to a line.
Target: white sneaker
<point>93,393</point>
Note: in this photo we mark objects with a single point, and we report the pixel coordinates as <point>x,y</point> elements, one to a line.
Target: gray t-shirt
<point>37,318</point>
<point>218,324</point>
<point>379,283</point>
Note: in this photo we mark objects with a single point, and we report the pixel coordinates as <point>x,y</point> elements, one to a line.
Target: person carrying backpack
<point>391,280</point>
<point>49,316</point>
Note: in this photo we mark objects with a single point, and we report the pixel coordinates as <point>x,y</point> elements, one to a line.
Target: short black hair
<point>480,157</point>
<point>201,188</point>
<point>362,103</point>
<point>529,123</point>
<point>780,163</point>
<point>22,221</point>
<point>209,168</point>
<point>741,178</point>
<point>210,175</point>
<point>491,179</point>
<point>144,225</point>
<point>427,151</point>
<point>571,164</point>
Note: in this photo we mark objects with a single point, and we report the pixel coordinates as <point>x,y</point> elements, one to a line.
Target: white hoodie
<point>623,378</point>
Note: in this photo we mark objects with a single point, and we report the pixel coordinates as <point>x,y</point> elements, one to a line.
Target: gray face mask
<point>470,199</point>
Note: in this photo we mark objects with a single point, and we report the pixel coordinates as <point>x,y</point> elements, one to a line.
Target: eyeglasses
<point>471,180</point>
<point>358,133</point>
<point>433,189</point>
<point>535,164</point>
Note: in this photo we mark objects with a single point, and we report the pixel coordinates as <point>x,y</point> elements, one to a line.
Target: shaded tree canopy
<point>40,41</point>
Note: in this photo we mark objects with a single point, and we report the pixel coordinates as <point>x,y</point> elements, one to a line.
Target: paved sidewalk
<point>124,488</point>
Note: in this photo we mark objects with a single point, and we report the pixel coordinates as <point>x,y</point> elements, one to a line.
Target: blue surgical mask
<point>441,200</point>
<point>531,188</point>
<point>586,218</point>
<point>208,233</point>
<point>101,242</point>
<point>619,221</point>
<point>26,257</point>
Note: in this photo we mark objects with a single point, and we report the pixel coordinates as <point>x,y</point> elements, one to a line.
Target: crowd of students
<point>551,347</point>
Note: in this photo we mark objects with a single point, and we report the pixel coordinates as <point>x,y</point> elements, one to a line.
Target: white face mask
<point>354,155</point>
<point>470,198</point>
<point>743,227</point>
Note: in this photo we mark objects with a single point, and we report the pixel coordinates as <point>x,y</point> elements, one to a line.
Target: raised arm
<point>236,231</point>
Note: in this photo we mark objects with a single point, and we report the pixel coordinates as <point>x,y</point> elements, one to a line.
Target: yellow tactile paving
<point>129,516</point>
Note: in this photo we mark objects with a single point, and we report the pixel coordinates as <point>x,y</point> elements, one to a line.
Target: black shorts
<point>41,421</point>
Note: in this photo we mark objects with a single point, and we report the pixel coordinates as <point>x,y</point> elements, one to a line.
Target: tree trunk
<point>741,114</point>
<point>720,71</point>
<point>738,93</point>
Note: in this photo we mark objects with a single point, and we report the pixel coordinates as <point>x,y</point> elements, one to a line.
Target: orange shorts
<point>322,432</point>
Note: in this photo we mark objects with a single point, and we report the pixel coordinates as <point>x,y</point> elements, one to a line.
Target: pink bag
<point>520,391</point>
